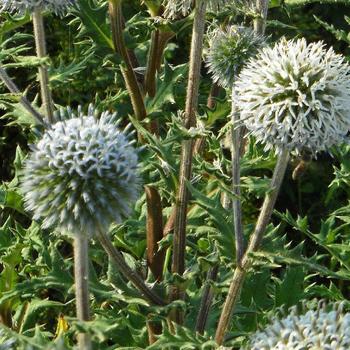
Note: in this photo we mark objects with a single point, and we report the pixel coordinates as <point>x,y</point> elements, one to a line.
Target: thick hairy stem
<point>117,23</point>
<point>254,243</point>
<point>206,300</point>
<point>236,181</point>
<point>127,272</point>
<point>155,258</point>
<point>262,7</point>
<point>81,276</point>
<point>178,262</point>
<point>159,41</point>
<point>164,38</point>
<point>40,43</point>
<point>25,103</point>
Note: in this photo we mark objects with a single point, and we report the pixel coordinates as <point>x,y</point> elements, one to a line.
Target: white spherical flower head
<point>296,96</point>
<point>177,8</point>
<point>314,330</point>
<point>59,7</point>
<point>82,175</point>
<point>229,49</point>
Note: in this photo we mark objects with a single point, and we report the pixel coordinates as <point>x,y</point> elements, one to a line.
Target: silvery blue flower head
<point>229,49</point>
<point>81,175</point>
<point>6,342</point>
<point>59,7</point>
<point>315,330</point>
<point>176,8</point>
<point>296,96</point>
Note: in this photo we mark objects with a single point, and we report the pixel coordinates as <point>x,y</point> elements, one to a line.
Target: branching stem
<point>254,243</point>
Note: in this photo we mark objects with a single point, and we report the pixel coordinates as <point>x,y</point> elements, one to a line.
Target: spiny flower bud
<point>296,96</point>
<point>176,8</point>
<point>229,49</point>
<point>59,7</point>
<point>82,174</point>
<point>319,328</point>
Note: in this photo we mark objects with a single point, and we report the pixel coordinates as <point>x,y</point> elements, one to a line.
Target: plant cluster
<point>126,222</point>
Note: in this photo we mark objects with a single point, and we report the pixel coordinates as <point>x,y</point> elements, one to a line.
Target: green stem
<point>154,232</point>
<point>262,7</point>
<point>12,87</point>
<point>207,299</point>
<point>178,262</point>
<point>236,181</point>
<point>124,268</point>
<point>116,17</point>
<point>254,243</point>
<point>81,274</point>
<point>150,76</point>
<point>39,34</point>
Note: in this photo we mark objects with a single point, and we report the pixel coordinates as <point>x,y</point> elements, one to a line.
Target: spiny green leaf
<point>165,87</point>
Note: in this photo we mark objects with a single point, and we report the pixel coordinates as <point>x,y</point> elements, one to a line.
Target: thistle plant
<point>293,97</point>
<point>81,177</point>
<point>229,49</point>
<point>82,174</point>
<point>36,8</point>
<point>185,173</point>
<point>319,328</point>
<point>304,101</point>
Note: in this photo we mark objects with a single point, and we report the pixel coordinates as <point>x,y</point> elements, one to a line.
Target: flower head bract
<point>82,174</point>
<point>318,328</point>
<point>296,96</point>
<point>229,49</point>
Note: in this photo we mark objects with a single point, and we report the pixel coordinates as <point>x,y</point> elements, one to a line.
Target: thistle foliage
<point>316,329</point>
<point>82,174</point>
<point>296,96</point>
<point>229,49</point>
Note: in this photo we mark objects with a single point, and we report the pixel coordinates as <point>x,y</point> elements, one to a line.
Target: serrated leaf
<point>165,87</point>
<point>291,288</point>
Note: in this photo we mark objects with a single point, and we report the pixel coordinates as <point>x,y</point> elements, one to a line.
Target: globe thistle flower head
<point>6,342</point>
<point>229,49</point>
<point>59,7</point>
<point>82,174</point>
<point>296,96</point>
<point>177,8</point>
<point>316,329</point>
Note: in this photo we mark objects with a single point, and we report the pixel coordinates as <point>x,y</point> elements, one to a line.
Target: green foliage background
<point>305,252</point>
